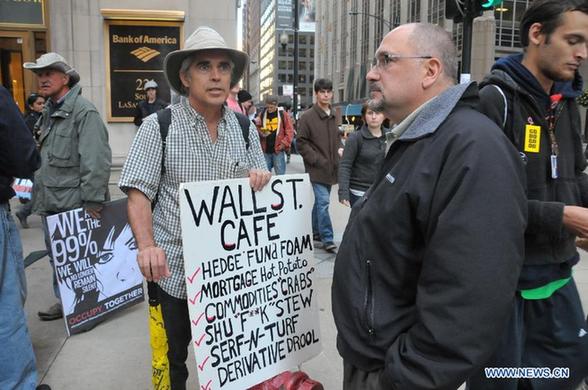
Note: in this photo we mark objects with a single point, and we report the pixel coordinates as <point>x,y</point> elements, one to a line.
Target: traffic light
<point>492,3</point>
<point>455,9</point>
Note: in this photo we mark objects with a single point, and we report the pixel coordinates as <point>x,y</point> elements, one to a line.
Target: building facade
<point>93,36</point>
<point>251,39</point>
<point>268,33</point>
<point>349,32</point>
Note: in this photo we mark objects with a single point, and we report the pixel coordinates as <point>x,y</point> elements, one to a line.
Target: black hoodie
<point>550,248</point>
<point>18,151</point>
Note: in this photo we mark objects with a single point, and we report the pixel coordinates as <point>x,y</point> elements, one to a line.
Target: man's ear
<point>184,79</point>
<point>536,35</point>
<point>433,70</point>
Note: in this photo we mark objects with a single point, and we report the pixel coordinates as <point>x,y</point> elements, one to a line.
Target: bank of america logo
<point>145,53</point>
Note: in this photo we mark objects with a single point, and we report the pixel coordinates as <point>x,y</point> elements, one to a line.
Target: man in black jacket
<point>150,105</point>
<point>532,97</point>
<point>426,273</point>
<point>18,158</point>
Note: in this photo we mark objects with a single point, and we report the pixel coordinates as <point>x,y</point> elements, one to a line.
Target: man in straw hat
<point>205,142</point>
<point>75,154</point>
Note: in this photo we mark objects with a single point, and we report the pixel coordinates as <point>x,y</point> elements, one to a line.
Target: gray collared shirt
<point>190,156</point>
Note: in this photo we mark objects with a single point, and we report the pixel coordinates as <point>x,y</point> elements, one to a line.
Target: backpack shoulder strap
<point>164,120</point>
<point>505,111</point>
<point>244,123</point>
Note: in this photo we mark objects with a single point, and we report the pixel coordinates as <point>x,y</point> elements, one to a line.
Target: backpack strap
<point>244,123</point>
<point>505,111</point>
<point>164,120</point>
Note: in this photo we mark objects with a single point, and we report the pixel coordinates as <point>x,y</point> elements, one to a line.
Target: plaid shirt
<point>190,156</point>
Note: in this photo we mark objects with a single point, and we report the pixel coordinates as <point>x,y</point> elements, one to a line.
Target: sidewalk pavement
<point>116,354</point>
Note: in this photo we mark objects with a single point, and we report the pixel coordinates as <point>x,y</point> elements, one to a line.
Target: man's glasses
<point>383,60</point>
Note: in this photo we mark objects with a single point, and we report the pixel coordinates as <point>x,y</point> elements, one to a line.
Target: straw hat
<point>53,61</point>
<point>204,38</point>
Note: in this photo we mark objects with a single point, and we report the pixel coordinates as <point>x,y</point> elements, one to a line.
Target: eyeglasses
<point>383,60</point>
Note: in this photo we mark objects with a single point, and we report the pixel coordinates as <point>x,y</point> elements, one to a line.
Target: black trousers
<point>542,333</point>
<point>357,379</point>
<point>177,328</point>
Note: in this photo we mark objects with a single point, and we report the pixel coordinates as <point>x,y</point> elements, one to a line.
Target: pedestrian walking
<point>205,141</point>
<point>318,142</point>
<point>233,99</point>
<point>35,104</point>
<point>246,103</point>
<point>425,277</point>
<point>150,105</point>
<point>531,96</point>
<point>275,134</point>
<point>18,158</point>
<point>75,154</point>
<point>362,156</point>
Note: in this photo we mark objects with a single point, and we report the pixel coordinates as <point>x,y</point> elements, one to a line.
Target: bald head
<point>433,40</point>
<point>413,64</point>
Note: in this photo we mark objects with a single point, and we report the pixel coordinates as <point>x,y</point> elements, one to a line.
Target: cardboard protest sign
<point>95,264</point>
<point>250,278</point>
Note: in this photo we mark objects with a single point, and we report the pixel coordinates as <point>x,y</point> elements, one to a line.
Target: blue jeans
<point>321,220</point>
<point>276,161</point>
<point>17,360</point>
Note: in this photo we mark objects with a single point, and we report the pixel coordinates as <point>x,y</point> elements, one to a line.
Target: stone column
<point>483,44</point>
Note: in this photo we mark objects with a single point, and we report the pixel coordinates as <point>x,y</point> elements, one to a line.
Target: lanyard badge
<point>551,121</point>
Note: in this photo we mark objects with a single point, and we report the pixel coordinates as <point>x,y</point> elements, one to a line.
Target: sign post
<point>135,51</point>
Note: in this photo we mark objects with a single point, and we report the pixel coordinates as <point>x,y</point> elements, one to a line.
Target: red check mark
<point>206,387</point>
<point>201,366</point>
<point>199,341</point>
<point>191,278</point>
<point>195,322</point>
<point>193,301</point>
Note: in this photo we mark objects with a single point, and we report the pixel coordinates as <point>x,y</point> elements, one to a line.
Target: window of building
<point>436,12</point>
<point>302,39</point>
<point>353,34</point>
<point>301,52</point>
<point>395,12</point>
<point>508,17</point>
<point>282,65</point>
<point>301,65</point>
<point>379,26</point>
<point>414,11</point>
<point>312,40</point>
<point>365,31</point>
<point>302,78</point>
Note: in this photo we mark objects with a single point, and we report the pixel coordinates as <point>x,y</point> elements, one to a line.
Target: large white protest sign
<point>250,278</point>
<point>95,263</point>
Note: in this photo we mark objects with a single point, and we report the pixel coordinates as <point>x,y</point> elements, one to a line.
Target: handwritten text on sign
<point>249,276</point>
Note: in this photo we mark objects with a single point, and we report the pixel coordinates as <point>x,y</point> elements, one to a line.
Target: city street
<point>116,354</point>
